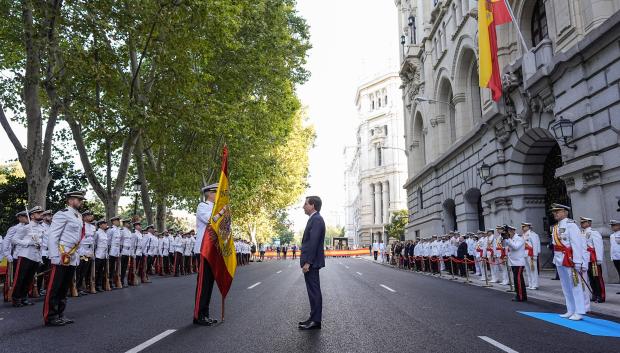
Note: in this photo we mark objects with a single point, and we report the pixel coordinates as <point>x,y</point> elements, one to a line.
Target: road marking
<point>346,266</point>
<point>359,273</point>
<point>388,288</point>
<point>340,263</point>
<point>279,271</point>
<point>150,342</point>
<point>497,344</point>
<point>254,285</point>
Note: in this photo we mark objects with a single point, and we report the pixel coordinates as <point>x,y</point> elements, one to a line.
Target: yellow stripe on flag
<point>485,18</point>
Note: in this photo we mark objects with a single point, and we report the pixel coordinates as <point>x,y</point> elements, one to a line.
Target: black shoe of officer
<point>99,290</point>
<point>17,304</point>
<point>55,322</point>
<point>66,320</point>
<point>203,321</point>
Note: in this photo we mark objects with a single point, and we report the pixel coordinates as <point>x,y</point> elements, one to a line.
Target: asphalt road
<point>366,308</point>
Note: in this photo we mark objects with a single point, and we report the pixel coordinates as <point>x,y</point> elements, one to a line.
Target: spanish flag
<point>491,13</point>
<point>218,246</point>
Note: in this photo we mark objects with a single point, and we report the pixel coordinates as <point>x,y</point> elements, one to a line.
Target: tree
<point>32,55</point>
<point>396,228</point>
<point>14,189</point>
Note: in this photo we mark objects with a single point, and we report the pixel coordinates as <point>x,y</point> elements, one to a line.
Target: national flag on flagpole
<point>491,13</point>
<point>217,245</point>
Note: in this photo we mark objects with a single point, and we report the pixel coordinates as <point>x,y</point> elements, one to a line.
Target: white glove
<point>9,258</point>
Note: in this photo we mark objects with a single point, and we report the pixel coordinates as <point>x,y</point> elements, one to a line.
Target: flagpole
<point>514,21</point>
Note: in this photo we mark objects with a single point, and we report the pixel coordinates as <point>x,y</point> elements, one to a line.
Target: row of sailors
<point>243,248</point>
<point>26,247</point>
<point>578,256</point>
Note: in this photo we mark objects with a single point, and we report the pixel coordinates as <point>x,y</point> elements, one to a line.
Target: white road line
<point>359,273</point>
<point>279,271</point>
<point>388,288</point>
<point>150,342</point>
<point>254,285</point>
<point>497,344</point>
<point>346,267</point>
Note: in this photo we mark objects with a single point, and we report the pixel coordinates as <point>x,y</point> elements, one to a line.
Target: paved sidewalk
<point>548,289</point>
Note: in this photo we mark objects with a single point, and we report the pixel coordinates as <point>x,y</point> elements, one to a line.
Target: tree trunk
<point>111,207</point>
<point>144,188</point>
<point>161,214</point>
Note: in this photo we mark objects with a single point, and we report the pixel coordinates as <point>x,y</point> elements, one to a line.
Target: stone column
<point>386,202</point>
<point>378,203</point>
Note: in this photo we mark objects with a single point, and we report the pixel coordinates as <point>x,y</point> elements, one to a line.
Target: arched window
<point>385,100</point>
<point>379,159</point>
<point>540,30</point>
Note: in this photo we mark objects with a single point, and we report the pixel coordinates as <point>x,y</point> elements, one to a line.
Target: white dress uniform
<point>478,255</point>
<point>115,241</point>
<point>566,234</point>
<point>492,258</point>
<point>127,246</point>
<point>65,233</point>
<point>532,244</point>
<point>502,272</point>
<point>27,242</point>
<point>46,228</point>
<point>203,215</point>
<point>101,244</point>
<point>516,258</point>
<point>187,250</point>
<point>137,236</point>
<point>87,244</point>
<point>7,245</point>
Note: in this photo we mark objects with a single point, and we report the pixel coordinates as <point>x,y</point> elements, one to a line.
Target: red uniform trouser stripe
<point>46,304</point>
<point>16,276</point>
<point>519,284</point>
<point>601,281</point>
<point>198,291</point>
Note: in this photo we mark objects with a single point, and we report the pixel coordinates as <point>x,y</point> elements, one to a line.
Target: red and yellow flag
<point>217,245</point>
<point>491,13</point>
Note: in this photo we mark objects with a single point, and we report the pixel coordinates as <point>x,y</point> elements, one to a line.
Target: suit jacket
<point>461,251</point>
<point>312,250</point>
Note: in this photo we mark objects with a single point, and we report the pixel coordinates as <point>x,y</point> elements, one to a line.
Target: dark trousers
<point>149,264</point>
<point>112,268</point>
<point>597,282</point>
<point>42,268</point>
<point>124,263</point>
<point>166,265</point>
<point>170,268</point>
<point>56,296</point>
<point>83,274</point>
<point>617,265</point>
<point>99,268</point>
<point>178,263</point>
<point>188,264</point>
<point>375,254</point>
<point>313,286</point>
<point>294,254</point>
<point>24,277</point>
<point>462,267</point>
<point>521,293</point>
<point>204,288</point>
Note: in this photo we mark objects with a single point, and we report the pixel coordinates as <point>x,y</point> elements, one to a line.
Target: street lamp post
<point>402,44</point>
<point>136,188</point>
<point>562,129</point>
<point>412,39</point>
<point>484,172</point>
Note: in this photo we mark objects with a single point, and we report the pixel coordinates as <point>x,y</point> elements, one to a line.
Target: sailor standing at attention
<point>204,285</point>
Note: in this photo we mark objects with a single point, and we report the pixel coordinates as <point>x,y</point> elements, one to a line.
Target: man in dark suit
<point>312,259</point>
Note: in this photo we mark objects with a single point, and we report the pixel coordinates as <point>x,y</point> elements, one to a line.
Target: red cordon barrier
<point>328,253</point>
<point>457,261</point>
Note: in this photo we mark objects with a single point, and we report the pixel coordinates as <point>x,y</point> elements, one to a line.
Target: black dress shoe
<point>55,322</point>
<point>17,304</point>
<point>202,322</point>
<point>66,320</point>
<point>99,289</point>
<point>312,325</point>
<point>304,322</point>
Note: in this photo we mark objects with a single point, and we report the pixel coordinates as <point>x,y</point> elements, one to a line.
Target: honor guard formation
<point>504,256</point>
<point>69,253</point>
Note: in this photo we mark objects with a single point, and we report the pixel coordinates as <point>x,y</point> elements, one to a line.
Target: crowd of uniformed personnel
<point>493,254</point>
<point>99,255</point>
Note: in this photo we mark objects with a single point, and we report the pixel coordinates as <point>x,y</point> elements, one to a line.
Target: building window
<point>379,159</point>
<point>539,23</point>
<point>372,105</point>
<point>385,100</point>
<point>420,199</point>
<point>379,102</point>
<point>385,130</point>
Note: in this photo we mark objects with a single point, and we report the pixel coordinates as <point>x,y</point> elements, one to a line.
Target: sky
<point>353,41</point>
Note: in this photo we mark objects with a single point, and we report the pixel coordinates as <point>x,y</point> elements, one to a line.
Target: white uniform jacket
<point>66,233</point>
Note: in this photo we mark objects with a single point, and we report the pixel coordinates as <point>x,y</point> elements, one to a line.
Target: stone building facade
<point>376,167</point>
<point>569,73</point>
